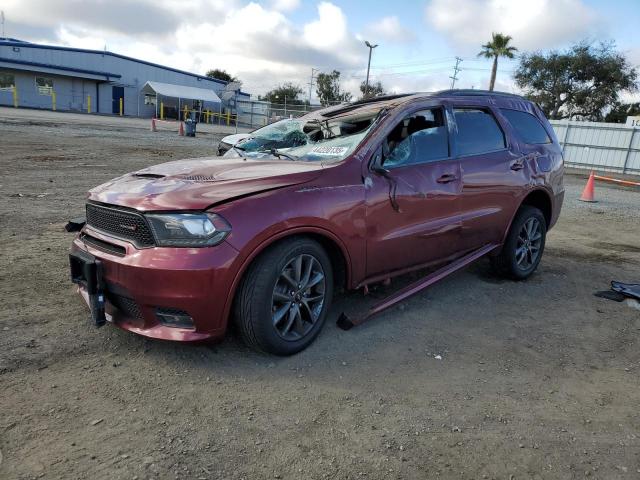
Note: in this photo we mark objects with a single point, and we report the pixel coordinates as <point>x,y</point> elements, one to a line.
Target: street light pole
<point>313,72</point>
<point>371,47</point>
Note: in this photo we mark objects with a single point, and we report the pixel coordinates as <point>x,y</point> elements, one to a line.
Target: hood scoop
<point>148,175</point>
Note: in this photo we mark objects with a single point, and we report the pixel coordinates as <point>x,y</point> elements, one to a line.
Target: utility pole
<point>313,73</point>
<point>455,72</point>
<point>2,20</point>
<point>371,47</point>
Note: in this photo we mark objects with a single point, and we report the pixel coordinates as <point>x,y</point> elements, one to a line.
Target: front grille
<point>120,224</point>
<point>102,245</point>
<point>127,306</point>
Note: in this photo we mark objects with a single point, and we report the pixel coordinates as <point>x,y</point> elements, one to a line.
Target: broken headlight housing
<point>188,229</point>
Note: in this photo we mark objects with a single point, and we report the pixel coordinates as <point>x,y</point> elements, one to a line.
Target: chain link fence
<point>256,113</point>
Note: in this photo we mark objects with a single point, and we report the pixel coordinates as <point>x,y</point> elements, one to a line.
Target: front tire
<point>284,297</point>
<point>523,248</point>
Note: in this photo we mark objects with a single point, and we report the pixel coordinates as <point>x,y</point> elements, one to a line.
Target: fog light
<point>172,317</point>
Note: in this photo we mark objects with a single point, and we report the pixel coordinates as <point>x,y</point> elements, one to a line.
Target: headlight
<point>188,229</point>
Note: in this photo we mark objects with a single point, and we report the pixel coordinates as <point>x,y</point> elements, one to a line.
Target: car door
<point>412,205</point>
<point>492,174</point>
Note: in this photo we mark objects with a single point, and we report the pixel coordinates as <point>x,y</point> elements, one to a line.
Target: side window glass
<point>528,127</point>
<point>478,132</point>
<point>419,138</point>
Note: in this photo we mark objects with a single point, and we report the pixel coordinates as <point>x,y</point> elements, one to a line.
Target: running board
<point>346,323</point>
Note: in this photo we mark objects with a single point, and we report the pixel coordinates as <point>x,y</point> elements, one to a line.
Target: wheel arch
<point>542,201</point>
<point>539,198</point>
<point>336,250</point>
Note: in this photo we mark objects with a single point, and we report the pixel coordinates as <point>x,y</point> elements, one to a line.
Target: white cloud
<point>329,30</point>
<point>254,41</point>
<point>390,29</point>
<point>285,5</point>
<point>533,24</point>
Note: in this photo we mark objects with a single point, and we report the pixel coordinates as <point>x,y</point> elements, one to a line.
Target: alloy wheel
<point>529,243</point>
<point>298,297</point>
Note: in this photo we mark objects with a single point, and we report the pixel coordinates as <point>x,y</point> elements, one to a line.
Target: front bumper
<point>197,281</point>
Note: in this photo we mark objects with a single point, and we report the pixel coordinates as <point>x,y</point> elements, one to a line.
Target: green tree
<point>583,81</point>
<point>496,48</point>
<point>219,74</point>
<point>375,89</point>
<point>328,89</point>
<point>620,112</point>
<point>288,90</point>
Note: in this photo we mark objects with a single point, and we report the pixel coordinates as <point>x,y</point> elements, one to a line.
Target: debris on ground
<point>622,292</point>
<point>631,290</point>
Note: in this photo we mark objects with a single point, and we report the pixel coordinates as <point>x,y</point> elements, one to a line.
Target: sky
<point>267,42</point>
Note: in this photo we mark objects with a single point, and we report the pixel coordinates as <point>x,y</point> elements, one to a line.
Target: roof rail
<point>479,93</point>
<point>334,110</point>
<point>380,98</point>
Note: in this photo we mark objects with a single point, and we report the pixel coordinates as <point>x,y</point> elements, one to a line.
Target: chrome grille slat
<point>120,223</point>
<point>102,245</point>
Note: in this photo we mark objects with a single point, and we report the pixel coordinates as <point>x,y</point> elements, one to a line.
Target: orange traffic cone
<point>181,131</point>
<point>588,192</point>
<point>153,125</point>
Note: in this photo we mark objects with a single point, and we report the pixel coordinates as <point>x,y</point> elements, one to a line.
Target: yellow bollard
<point>228,118</point>
<point>121,106</point>
<point>53,100</point>
<point>88,103</point>
<point>15,96</point>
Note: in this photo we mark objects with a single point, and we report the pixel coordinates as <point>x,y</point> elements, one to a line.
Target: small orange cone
<point>153,125</point>
<point>181,131</point>
<point>588,192</point>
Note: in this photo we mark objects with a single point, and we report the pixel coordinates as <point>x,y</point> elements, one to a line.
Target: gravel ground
<point>475,378</point>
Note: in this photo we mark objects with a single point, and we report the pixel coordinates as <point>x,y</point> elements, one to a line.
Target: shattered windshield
<point>331,139</point>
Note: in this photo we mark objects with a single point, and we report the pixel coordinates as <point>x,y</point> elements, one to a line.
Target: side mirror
<point>378,158</point>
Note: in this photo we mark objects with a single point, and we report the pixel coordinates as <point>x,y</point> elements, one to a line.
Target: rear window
<point>527,126</point>
<point>478,132</point>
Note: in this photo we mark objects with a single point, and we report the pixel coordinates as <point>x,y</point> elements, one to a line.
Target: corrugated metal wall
<point>610,147</point>
<point>134,74</point>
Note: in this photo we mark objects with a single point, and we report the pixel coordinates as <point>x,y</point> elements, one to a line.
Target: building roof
<point>22,44</point>
<point>80,72</point>
<point>180,91</point>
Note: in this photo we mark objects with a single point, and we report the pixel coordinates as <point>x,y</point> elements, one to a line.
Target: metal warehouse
<point>95,81</point>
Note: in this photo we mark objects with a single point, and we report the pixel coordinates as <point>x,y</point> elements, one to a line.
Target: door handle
<point>447,178</point>
<point>517,165</point>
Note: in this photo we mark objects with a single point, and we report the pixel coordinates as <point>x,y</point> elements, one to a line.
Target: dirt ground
<point>538,379</point>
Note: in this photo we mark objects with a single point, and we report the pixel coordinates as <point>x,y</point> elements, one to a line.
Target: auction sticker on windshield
<point>329,151</point>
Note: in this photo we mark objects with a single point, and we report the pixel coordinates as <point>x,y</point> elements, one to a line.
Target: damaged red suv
<point>354,194</point>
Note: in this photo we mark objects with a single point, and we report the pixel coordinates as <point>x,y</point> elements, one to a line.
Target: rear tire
<point>523,248</point>
<point>283,299</point>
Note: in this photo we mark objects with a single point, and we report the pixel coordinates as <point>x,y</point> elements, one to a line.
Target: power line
<point>456,69</point>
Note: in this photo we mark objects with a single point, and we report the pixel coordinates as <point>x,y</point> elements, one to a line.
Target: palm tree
<point>497,47</point>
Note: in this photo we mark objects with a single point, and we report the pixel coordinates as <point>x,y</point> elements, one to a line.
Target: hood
<point>235,138</point>
<point>196,184</point>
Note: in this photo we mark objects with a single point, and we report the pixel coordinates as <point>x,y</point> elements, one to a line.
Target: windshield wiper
<point>239,150</point>
<point>278,154</point>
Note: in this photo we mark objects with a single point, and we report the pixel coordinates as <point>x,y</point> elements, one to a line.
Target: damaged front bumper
<point>177,294</point>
